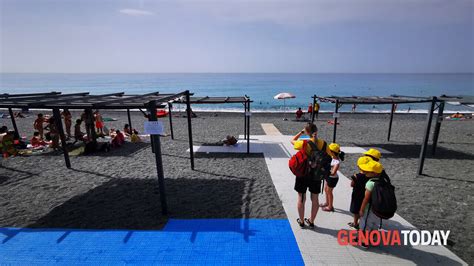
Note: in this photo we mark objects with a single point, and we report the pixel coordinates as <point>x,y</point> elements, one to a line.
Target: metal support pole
<point>245,120</point>
<point>335,122</point>
<point>439,119</point>
<point>12,117</point>
<point>248,127</point>
<point>190,131</point>
<point>159,163</point>
<point>312,109</point>
<point>390,124</point>
<point>424,145</point>
<point>170,107</point>
<point>59,125</point>
<point>129,120</point>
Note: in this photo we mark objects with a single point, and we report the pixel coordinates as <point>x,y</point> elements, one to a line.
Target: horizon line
<point>382,73</point>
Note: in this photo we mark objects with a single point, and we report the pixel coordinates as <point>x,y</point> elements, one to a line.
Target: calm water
<point>260,87</point>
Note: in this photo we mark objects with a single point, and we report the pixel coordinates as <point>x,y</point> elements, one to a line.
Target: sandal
<point>323,205</point>
<point>326,209</point>
<point>353,225</point>
<point>310,224</point>
<point>301,224</point>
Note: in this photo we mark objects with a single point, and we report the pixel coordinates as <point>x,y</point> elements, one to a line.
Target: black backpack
<point>383,201</point>
<point>319,162</point>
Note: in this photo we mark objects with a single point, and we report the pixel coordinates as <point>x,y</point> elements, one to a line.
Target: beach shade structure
<point>85,101</point>
<point>283,96</point>
<point>245,100</point>
<point>435,103</point>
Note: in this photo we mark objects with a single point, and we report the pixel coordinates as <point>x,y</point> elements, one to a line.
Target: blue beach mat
<point>197,241</point>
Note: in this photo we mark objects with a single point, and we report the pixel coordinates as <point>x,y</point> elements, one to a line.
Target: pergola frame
<point>149,101</point>
<point>57,101</point>
<point>245,100</point>
<point>393,100</point>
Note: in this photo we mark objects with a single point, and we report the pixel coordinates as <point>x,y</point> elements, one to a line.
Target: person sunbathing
<point>135,138</point>
<point>299,114</point>
<point>118,140</point>
<point>230,140</point>
<point>457,115</point>
<point>8,144</point>
<point>127,130</point>
<point>36,141</point>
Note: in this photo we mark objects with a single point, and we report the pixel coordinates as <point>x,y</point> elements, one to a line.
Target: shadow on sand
<point>134,204</point>
<point>413,151</point>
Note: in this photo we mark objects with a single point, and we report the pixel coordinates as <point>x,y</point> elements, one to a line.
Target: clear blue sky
<point>237,36</point>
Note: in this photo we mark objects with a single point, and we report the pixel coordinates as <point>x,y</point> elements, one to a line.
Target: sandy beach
<point>119,189</point>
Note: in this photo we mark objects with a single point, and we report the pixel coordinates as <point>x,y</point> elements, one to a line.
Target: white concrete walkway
<point>320,246</point>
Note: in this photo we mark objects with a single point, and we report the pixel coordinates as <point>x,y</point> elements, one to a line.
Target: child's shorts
<point>332,181</point>
<point>356,202</point>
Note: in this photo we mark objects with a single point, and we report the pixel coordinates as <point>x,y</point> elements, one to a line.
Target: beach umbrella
<point>283,96</point>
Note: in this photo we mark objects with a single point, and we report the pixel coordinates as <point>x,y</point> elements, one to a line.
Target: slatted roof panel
<point>393,99</point>
<point>8,95</point>
<point>463,99</point>
<point>85,100</point>
<point>215,100</point>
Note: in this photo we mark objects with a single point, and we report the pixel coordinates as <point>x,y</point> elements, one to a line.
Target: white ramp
<point>320,246</point>
<point>240,147</point>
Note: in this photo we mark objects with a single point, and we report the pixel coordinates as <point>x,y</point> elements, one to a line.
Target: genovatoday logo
<point>392,237</point>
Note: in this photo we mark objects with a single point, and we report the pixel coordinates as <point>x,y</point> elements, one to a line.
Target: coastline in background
<point>260,87</point>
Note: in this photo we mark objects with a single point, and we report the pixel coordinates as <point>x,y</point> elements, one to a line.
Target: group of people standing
<point>370,171</point>
<point>52,136</point>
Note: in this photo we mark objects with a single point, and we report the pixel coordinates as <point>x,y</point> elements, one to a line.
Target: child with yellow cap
<point>333,178</point>
<point>358,182</point>
<point>372,170</point>
<point>374,154</point>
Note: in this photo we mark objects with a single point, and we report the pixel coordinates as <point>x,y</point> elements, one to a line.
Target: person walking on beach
<point>303,183</point>
<point>38,125</point>
<point>67,122</point>
<point>333,178</point>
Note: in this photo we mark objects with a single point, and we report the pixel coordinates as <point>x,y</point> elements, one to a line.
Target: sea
<point>261,88</point>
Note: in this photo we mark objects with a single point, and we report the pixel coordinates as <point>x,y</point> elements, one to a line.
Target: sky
<point>263,36</point>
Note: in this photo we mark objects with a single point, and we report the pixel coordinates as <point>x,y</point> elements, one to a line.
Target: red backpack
<point>299,162</point>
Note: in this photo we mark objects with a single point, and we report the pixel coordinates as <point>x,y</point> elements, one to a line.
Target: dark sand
<point>119,189</point>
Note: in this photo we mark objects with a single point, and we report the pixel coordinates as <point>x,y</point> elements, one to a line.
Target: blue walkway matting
<point>196,241</point>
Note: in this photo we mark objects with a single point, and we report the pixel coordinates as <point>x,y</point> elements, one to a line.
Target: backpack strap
<point>313,145</point>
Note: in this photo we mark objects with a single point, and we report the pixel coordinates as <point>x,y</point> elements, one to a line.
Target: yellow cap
<point>375,154</point>
<point>335,147</point>
<point>363,160</point>
<point>372,166</point>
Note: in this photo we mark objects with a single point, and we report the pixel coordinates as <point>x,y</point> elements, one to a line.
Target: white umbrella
<point>283,96</point>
